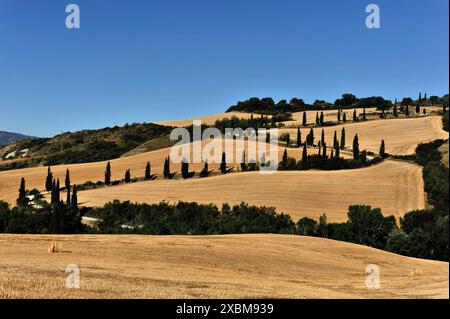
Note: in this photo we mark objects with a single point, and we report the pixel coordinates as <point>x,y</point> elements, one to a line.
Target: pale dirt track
<point>396,187</point>
<point>401,136</point>
<point>234,266</point>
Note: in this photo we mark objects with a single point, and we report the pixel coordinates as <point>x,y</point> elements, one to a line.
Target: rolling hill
<point>396,187</point>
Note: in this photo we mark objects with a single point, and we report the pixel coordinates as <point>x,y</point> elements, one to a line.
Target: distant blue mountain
<point>7,137</point>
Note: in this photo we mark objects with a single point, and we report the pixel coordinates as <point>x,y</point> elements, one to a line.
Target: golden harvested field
<point>400,135</point>
<point>394,186</point>
<point>207,120</point>
<point>233,266</point>
<point>80,173</point>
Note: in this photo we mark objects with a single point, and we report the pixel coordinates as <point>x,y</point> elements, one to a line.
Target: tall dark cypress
<point>108,174</point>
<point>339,115</point>
<point>74,202</point>
<point>185,169</point>
<point>382,149</point>
<point>322,137</point>
<point>166,171</point>
<point>127,176</point>
<point>317,119</point>
<point>343,138</point>
<point>355,118</point>
<point>223,164</point>
<point>335,141</point>
<point>243,162</point>
<point>321,119</point>
<point>364,114</point>
<point>22,199</point>
<point>67,186</point>
<point>337,150</point>
<point>148,171</point>
<point>304,123</point>
<point>311,137</point>
<point>299,137</point>
<point>49,180</point>
<point>304,162</point>
<point>324,150</point>
<point>344,117</point>
<point>355,147</point>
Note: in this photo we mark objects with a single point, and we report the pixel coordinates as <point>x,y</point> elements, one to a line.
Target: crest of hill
<point>87,145</point>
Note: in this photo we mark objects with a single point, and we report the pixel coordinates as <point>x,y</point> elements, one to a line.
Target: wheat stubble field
<point>396,187</point>
<point>233,266</point>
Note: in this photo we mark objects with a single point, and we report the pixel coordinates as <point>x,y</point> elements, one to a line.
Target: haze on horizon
<point>145,62</point>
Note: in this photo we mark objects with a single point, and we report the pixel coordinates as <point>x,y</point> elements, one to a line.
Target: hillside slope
<point>234,266</point>
<point>396,187</point>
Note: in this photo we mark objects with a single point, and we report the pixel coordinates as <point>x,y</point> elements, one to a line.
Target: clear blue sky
<point>143,61</point>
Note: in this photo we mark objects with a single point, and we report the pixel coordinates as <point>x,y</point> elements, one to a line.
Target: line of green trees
<point>268,106</point>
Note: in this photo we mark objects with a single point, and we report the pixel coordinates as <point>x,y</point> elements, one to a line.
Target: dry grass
<point>394,186</point>
<point>235,266</point>
<point>400,135</point>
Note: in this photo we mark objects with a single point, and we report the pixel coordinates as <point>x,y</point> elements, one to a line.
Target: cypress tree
<point>166,171</point>
<point>22,199</point>
<point>243,163</point>
<point>67,186</point>
<point>148,171</point>
<point>355,147</point>
<point>363,157</point>
<point>382,149</point>
<point>317,119</point>
<point>339,115</point>
<point>343,138</point>
<point>185,169</point>
<point>223,164</point>
<point>364,114</point>
<point>337,149</point>
<point>304,123</point>
<point>74,202</point>
<point>335,140</point>
<point>288,139</point>
<point>355,118</point>
<point>205,170</point>
<point>331,154</point>
<point>322,137</point>
<point>49,180</point>
<point>108,174</point>
<point>127,176</point>
<point>299,137</point>
<point>319,145</point>
<point>311,137</point>
<point>304,161</point>
<point>324,152</point>
<point>284,159</point>
<point>57,194</point>
<point>344,117</point>
<point>321,119</point>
